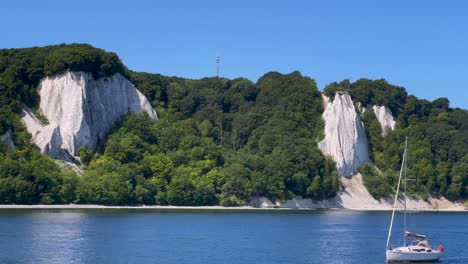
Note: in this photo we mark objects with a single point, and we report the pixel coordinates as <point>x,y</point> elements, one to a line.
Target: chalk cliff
<point>80,111</point>
<point>345,138</point>
<point>385,117</point>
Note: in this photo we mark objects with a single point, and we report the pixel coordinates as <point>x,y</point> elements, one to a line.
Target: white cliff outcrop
<point>81,111</point>
<point>7,139</point>
<point>385,118</point>
<point>345,138</point>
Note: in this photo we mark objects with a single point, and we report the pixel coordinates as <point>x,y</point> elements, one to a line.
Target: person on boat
<point>424,243</point>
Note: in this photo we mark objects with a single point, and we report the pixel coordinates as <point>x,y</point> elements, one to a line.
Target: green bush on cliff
<point>376,183</point>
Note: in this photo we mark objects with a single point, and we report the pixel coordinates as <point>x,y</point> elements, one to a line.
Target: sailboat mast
<point>405,160</point>
<point>396,197</point>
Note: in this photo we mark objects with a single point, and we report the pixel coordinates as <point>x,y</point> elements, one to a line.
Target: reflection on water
<point>432,262</point>
<point>41,237</point>
<point>330,237</point>
<point>61,237</point>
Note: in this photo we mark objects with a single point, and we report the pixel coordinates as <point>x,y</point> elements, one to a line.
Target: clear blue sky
<point>420,45</point>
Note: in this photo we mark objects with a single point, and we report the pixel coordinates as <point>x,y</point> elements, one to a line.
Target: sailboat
<point>415,246</point>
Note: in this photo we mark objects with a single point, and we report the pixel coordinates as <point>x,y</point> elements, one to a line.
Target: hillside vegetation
<point>218,141</point>
<point>437,138</point>
<point>221,141</point>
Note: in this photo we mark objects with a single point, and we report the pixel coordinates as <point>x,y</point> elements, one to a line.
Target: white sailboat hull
<point>403,254</point>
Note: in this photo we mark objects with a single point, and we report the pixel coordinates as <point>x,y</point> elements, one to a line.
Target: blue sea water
<point>158,236</point>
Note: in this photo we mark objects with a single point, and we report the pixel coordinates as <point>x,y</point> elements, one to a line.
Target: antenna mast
<point>217,66</point>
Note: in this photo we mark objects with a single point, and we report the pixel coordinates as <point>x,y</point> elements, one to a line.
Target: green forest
<point>221,141</point>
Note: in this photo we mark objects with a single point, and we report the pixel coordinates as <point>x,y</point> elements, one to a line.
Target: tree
<point>314,191</point>
<point>455,190</point>
<point>181,191</point>
<point>86,155</point>
<point>375,182</point>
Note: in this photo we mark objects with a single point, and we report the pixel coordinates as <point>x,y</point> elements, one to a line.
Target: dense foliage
<point>217,142</point>
<point>27,177</point>
<point>437,134</point>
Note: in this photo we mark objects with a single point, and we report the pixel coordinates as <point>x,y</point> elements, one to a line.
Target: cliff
<point>385,118</point>
<point>80,111</point>
<point>345,138</point>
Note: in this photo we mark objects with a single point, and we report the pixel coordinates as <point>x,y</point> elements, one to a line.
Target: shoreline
<point>353,198</point>
<point>207,208</point>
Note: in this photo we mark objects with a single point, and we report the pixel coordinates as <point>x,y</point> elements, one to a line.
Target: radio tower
<point>217,66</point>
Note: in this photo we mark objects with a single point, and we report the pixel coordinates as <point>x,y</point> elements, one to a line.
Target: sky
<point>421,45</point>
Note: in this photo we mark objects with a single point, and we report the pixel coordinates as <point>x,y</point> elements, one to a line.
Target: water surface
<point>157,236</point>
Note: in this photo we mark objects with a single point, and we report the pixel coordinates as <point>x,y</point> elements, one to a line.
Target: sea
<point>218,236</point>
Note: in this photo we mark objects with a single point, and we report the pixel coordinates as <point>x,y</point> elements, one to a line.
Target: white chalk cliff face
<point>385,117</point>
<point>345,138</point>
<point>81,111</point>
